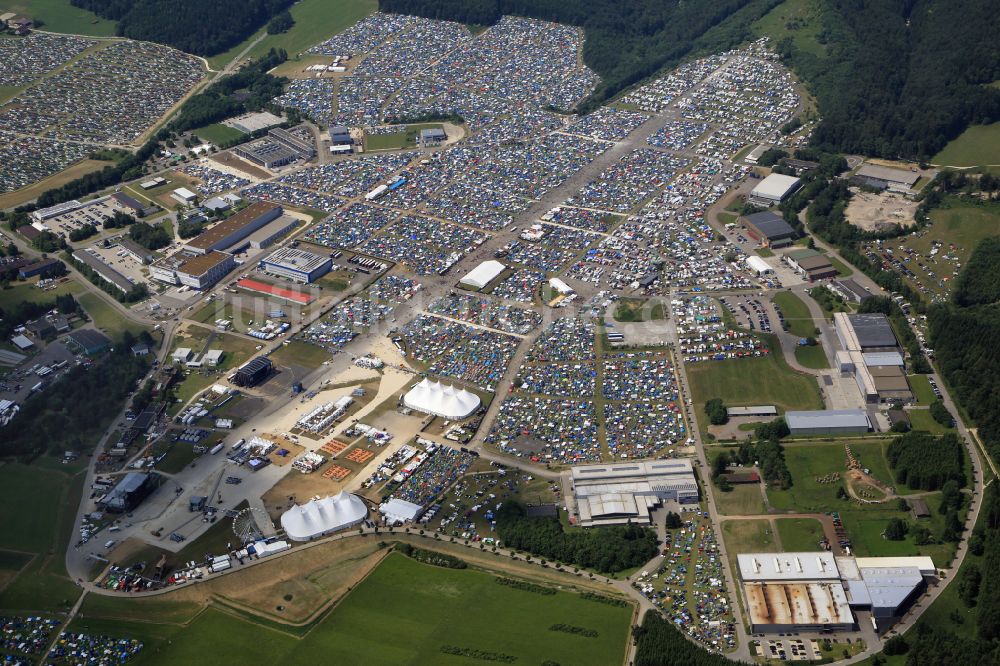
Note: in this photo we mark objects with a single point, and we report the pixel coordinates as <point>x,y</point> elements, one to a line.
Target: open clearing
<point>765,380</point>
<point>105,316</point>
<point>799,534</point>
<point>978,145</point>
<point>798,19</point>
<point>315,20</point>
<point>748,536</point>
<point>743,500</point>
<point>404,612</point>
<point>870,211</point>
<point>797,316</point>
<point>61,16</point>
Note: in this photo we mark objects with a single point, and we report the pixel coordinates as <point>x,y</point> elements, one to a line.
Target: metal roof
<point>776,186</point>
<point>872,330</point>
<point>819,565</point>
<point>769,224</point>
<point>828,418</point>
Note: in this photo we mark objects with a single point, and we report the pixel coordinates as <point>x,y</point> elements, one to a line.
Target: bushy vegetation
<point>525,586</point>
<point>282,22</point>
<point>203,28</point>
<point>431,557</point>
<point>921,460</point>
<point>82,232</point>
<point>979,282</point>
<point>75,411</point>
<point>716,412</point>
<point>606,549</point>
<point>149,236</point>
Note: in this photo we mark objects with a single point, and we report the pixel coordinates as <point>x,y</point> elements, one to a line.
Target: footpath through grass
<point>404,612</point>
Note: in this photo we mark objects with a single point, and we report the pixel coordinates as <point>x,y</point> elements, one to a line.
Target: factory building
<point>340,135</point>
<point>136,251</point>
<point>768,229</point>
<point>128,204</point>
<point>266,153</point>
<point>828,422</point>
<point>883,178</point>
<point>432,136</point>
<point>297,265</point>
<point>865,332</point>
<point>767,411</point>
<point>304,148</point>
<point>232,230</point>
<point>272,232</point>
<point>184,196</point>
<point>773,190</point>
<point>810,264</point>
<point>93,260</point>
<point>252,372</point>
<point>881,376</point>
<point>850,290</point>
<point>199,271</point>
<point>619,493</point>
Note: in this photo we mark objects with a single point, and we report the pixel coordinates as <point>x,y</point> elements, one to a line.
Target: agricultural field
<point>61,16</point>
<point>765,380</point>
<point>427,607</point>
<point>315,20</point>
<point>978,145</point>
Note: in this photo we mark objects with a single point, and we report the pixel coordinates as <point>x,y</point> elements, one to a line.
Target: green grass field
<point>798,19</point>
<point>812,357</point>
<point>315,20</point>
<point>637,309</point>
<point>765,380</point>
<point>811,462</point>
<point>921,419</point>
<point>106,317</point>
<point>404,612</point>
<point>922,390</point>
<point>217,133</point>
<point>6,92</point>
<point>61,16</point>
<point>301,353</point>
<point>26,291</point>
<point>397,140</point>
<point>748,536</point>
<point>743,500</point>
<point>799,534</point>
<point>797,315</point>
<point>978,145</point>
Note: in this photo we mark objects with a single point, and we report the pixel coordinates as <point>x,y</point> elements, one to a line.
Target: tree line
<point>202,28</point>
<point>606,549</point>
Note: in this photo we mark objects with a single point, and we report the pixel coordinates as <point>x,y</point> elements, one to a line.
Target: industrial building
<point>191,269</point>
<point>881,376</point>
<point>619,493</point>
<point>88,341</point>
<point>810,264</point>
<point>184,195</point>
<point>234,229</point>
<point>266,153</point>
<point>252,372</point>
<point>297,265</point>
<point>767,411</point>
<point>828,422</point>
<point>296,141</point>
<point>136,251</point>
<point>41,267</point>
<point>320,517</point>
<point>884,178</point>
<point>128,204</point>
<point>773,190</point>
<point>130,492</point>
<point>768,229</point>
<point>850,290</point>
<point>94,261</point>
<point>482,275</point>
<point>432,136</point>
<point>340,135</point>
<point>269,234</point>
<point>865,332</point>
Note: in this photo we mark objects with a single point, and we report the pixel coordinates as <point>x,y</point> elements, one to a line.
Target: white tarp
<point>321,517</point>
<point>444,401</point>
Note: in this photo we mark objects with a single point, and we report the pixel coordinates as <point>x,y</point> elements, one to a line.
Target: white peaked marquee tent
<point>321,517</point>
<point>440,400</point>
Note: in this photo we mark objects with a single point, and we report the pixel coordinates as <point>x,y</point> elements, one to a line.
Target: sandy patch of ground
<point>872,211</point>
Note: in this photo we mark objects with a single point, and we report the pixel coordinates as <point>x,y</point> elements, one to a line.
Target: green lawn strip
<point>843,270</point>
<point>301,353</point>
<point>106,317</point>
<point>812,356</point>
<point>748,536</point>
<point>797,316</point>
<point>922,390</point>
<point>921,419</point>
<point>799,534</point>
<point>743,500</point>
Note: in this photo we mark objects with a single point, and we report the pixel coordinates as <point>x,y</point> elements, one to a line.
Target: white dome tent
<point>320,517</point>
<point>444,401</point>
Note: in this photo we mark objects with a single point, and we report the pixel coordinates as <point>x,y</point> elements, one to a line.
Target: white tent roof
<point>319,517</point>
<point>444,401</point>
<point>758,265</point>
<point>481,275</point>
<point>400,510</point>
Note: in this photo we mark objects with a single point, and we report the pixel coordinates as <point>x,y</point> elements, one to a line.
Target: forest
<point>896,78</point>
<point>659,643</point>
<point>60,420</point>
<point>606,549</point>
<point>202,28</point>
<point>923,461</point>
